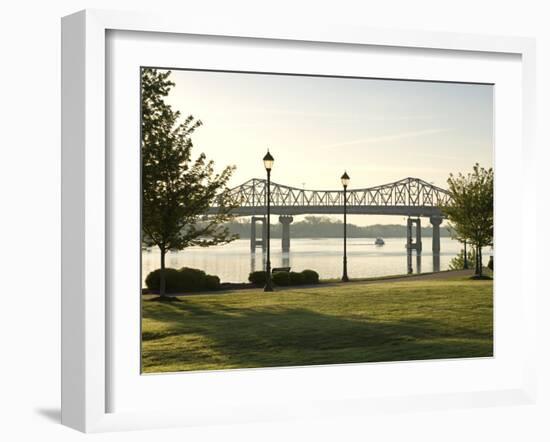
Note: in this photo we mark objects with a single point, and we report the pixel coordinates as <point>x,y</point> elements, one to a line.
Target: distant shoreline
<point>325,227</point>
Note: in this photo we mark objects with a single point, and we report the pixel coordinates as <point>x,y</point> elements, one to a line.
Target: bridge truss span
<point>409,196</point>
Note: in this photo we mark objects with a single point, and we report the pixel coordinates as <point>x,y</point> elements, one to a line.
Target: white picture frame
<point>86,357</point>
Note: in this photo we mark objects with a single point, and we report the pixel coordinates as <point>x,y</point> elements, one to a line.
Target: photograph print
<point>296,220</point>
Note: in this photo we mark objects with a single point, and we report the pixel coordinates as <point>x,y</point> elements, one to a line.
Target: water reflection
<point>252,262</point>
<point>285,259</point>
<point>233,262</point>
<point>257,261</point>
<point>436,262</point>
<point>418,263</point>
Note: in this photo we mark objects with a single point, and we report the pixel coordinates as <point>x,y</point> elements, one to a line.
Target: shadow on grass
<point>481,278</point>
<point>197,337</point>
<point>168,299</point>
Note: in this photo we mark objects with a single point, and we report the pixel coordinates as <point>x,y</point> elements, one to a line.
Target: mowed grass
<point>390,321</point>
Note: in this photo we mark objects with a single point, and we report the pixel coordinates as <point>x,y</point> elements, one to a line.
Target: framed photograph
<point>267,222</point>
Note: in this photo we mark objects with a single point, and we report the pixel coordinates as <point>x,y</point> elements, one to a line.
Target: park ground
<point>391,320</point>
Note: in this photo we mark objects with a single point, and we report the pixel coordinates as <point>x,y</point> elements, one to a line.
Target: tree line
<point>325,227</point>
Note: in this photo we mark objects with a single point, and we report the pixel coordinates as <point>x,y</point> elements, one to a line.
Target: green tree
<point>177,191</point>
<point>457,263</point>
<point>471,210</point>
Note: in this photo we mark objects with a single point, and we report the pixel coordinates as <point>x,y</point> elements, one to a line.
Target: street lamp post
<point>345,181</point>
<point>268,164</point>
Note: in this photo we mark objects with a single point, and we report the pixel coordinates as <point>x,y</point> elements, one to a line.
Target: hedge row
<point>285,278</point>
<point>194,280</point>
<point>184,279</point>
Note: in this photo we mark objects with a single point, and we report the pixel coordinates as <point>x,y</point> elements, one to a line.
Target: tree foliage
<point>177,190</point>
<point>457,263</point>
<point>471,210</point>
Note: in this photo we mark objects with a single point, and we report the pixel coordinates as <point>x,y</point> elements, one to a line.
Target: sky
<point>316,128</point>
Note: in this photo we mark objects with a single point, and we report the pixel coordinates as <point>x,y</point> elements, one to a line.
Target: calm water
<point>233,262</point>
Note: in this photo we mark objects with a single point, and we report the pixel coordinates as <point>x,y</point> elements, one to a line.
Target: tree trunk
<point>476,257</point>
<point>162,290</point>
<point>480,262</point>
<point>478,269</point>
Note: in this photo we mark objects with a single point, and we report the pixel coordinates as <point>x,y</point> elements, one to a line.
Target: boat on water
<point>379,242</point>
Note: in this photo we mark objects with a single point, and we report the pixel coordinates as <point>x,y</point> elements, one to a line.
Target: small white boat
<point>379,242</point>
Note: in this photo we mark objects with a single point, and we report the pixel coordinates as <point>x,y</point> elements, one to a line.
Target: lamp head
<point>268,161</point>
<point>345,179</point>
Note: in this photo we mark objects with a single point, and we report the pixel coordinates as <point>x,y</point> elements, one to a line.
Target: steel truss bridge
<point>410,197</point>
<point>407,197</point>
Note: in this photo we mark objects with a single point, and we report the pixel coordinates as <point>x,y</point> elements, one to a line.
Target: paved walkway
<point>420,277</point>
<point>450,274</point>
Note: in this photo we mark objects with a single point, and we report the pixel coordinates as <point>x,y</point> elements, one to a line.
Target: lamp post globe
<point>268,164</point>
<point>268,161</point>
<point>345,181</point>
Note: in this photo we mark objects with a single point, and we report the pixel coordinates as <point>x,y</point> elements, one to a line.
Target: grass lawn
<point>390,321</point>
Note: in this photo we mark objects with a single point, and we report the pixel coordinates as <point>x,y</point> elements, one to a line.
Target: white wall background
<point>30,215</point>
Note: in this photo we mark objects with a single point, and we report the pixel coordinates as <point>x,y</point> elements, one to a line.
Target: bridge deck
<point>423,211</point>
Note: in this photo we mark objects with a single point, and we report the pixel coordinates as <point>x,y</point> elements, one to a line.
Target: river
<point>233,262</point>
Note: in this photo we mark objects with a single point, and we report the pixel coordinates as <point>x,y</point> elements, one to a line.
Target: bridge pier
<point>254,242</point>
<point>285,220</point>
<point>436,236</point>
<point>417,245</point>
<point>436,241</point>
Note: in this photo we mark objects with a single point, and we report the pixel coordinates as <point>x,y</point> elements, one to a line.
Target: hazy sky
<point>318,127</point>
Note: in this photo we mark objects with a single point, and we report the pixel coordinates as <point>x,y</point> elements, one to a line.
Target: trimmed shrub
<point>281,278</point>
<point>184,279</point>
<point>310,276</point>
<point>192,279</point>
<point>258,278</point>
<point>197,280</point>
<point>212,282</point>
<point>296,278</point>
<point>172,280</point>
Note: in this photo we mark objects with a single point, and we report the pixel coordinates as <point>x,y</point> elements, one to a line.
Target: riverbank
<point>390,320</point>
<point>228,288</point>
